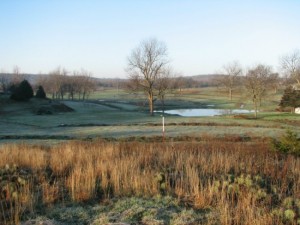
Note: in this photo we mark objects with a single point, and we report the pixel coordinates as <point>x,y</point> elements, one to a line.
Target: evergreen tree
<point>23,92</point>
<point>290,98</point>
<point>40,93</point>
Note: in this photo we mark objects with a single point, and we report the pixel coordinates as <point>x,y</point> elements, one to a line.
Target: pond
<point>205,112</point>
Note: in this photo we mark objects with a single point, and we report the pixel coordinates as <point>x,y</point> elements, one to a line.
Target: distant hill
<point>33,79</point>
<point>205,77</point>
<point>201,80</point>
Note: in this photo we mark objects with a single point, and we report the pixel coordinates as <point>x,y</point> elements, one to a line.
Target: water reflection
<point>205,112</point>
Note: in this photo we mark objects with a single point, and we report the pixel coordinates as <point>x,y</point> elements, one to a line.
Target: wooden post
<point>163,128</point>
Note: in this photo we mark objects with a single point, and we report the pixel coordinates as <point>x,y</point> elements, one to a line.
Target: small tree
<point>179,83</point>
<point>145,65</point>
<point>290,65</point>
<point>275,82</point>
<point>4,81</point>
<point>288,143</point>
<point>40,93</point>
<point>231,72</point>
<point>290,98</point>
<point>23,92</point>
<point>164,85</point>
<point>257,81</point>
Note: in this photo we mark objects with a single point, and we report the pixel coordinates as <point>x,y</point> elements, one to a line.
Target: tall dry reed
<point>242,182</point>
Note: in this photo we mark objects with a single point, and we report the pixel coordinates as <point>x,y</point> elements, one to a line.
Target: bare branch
<point>229,80</point>
<point>257,81</point>
<point>145,65</point>
<point>290,64</point>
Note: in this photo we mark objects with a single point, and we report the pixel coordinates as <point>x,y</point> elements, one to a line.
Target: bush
<point>288,143</point>
<point>40,93</point>
<point>290,98</point>
<point>23,92</point>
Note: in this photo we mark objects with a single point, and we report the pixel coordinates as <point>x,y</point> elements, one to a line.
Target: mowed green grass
<point>119,114</point>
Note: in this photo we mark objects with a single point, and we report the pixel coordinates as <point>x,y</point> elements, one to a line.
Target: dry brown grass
<point>195,172</point>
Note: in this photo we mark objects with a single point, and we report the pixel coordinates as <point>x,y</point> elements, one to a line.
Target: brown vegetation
<point>242,183</point>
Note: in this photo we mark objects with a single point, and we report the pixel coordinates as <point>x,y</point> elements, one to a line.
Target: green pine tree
<point>23,92</point>
<point>290,98</point>
<point>40,93</point>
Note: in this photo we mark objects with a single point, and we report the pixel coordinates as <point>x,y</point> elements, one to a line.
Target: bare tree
<point>256,84</point>
<point>291,66</point>
<point>43,81</point>
<point>231,72</point>
<point>60,84</point>
<point>52,83</point>
<point>145,65</point>
<point>4,81</point>
<point>17,77</point>
<point>274,82</point>
<point>56,83</point>
<point>164,85</point>
<point>179,83</point>
<point>86,84</point>
<point>73,85</point>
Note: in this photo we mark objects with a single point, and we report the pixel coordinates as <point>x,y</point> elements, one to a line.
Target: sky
<point>98,36</point>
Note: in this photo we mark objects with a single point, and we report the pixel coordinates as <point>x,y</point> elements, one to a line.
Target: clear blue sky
<point>201,36</point>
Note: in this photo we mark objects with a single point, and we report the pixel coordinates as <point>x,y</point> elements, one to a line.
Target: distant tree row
<point>23,92</point>
<point>18,87</point>
<point>60,84</point>
<point>260,79</point>
<point>8,82</point>
<point>149,71</point>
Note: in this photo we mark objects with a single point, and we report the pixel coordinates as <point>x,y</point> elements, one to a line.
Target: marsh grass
<point>239,182</point>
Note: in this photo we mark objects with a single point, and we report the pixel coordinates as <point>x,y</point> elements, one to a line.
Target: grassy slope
<point>123,117</point>
<point>120,114</point>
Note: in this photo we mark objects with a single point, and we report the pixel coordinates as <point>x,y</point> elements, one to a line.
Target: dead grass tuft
<point>243,182</point>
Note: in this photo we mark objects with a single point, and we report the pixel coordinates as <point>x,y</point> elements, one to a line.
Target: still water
<point>205,112</point>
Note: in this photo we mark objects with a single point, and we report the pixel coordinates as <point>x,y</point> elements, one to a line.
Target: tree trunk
<point>163,104</point>
<point>150,99</point>
<point>255,109</point>
<point>259,102</point>
<point>230,94</point>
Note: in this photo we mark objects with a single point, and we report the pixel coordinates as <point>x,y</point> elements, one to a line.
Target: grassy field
<point>118,114</point>
<point>104,161</point>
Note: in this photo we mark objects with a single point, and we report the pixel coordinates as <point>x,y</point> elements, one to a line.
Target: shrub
<point>40,93</point>
<point>290,98</point>
<point>289,215</point>
<point>23,92</point>
<point>288,143</point>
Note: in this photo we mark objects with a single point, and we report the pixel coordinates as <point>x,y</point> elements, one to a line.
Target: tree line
<point>149,71</point>
<point>59,83</point>
<point>259,80</point>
